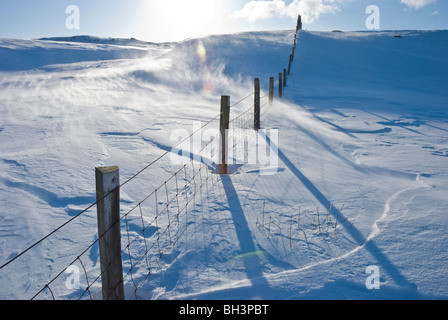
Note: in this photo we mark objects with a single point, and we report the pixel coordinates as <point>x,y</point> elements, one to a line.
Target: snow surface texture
<point>361,178</point>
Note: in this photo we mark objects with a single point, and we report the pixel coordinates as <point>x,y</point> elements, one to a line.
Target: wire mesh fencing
<point>154,212</point>
<point>155,208</point>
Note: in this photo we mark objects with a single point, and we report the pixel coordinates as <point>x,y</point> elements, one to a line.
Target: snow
<point>361,178</point>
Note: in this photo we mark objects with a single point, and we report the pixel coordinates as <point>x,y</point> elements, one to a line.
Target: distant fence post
<point>280,83</point>
<point>299,23</point>
<point>224,128</point>
<point>284,77</point>
<point>271,90</point>
<point>108,215</point>
<point>289,65</point>
<point>257,104</point>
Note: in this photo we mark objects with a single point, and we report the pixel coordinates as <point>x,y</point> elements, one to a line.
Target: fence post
<point>224,128</point>
<point>257,105</point>
<point>108,215</point>
<point>289,65</point>
<point>271,90</point>
<point>280,83</point>
<point>284,77</point>
<point>299,23</point>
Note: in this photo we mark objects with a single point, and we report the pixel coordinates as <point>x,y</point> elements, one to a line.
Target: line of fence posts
<point>108,201</point>
<point>108,189</point>
<point>225,103</point>
<point>222,167</point>
<point>108,194</point>
<point>291,56</point>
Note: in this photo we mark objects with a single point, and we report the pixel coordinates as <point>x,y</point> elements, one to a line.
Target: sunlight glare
<point>175,20</point>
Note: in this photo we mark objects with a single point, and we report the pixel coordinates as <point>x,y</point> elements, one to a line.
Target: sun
<point>175,20</point>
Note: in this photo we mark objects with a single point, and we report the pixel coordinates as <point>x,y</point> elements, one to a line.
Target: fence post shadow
<point>245,240</point>
<point>371,247</point>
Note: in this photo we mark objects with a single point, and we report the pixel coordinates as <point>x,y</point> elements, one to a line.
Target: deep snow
<point>361,178</point>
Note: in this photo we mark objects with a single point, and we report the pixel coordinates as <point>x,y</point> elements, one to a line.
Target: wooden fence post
<point>299,23</point>
<point>284,77</point>
<point>257,104</point>
<point>271,90</point>
<point>290,63</point>
<point>280,83</point>
<point>224,128</point>
<point>109,236</point>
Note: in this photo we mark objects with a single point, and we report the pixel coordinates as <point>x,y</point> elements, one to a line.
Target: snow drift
<point>362,161</point>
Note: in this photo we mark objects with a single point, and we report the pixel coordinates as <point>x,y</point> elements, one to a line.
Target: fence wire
<point>151,226</point>
<point>156,223</point>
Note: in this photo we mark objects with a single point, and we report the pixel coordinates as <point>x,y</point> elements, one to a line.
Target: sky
<point>176,20</point>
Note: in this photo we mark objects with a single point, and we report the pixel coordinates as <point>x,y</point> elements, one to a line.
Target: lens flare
<point>208,85</point>
<point>201,51</point>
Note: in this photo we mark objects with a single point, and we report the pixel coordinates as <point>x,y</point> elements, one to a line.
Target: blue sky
<point>174,20</point>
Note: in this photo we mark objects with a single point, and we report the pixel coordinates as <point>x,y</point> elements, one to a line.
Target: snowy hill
<point>361,178</point>
<point>22,55</point>
<point>90,39</point>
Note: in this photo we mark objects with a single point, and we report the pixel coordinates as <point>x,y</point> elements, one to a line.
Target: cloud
<point>417,4</point>
<point>310,10</point>
<point>256,10</point>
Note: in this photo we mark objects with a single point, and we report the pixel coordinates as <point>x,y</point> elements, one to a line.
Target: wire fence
<point>153,222</point>
<point>152,225</point>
